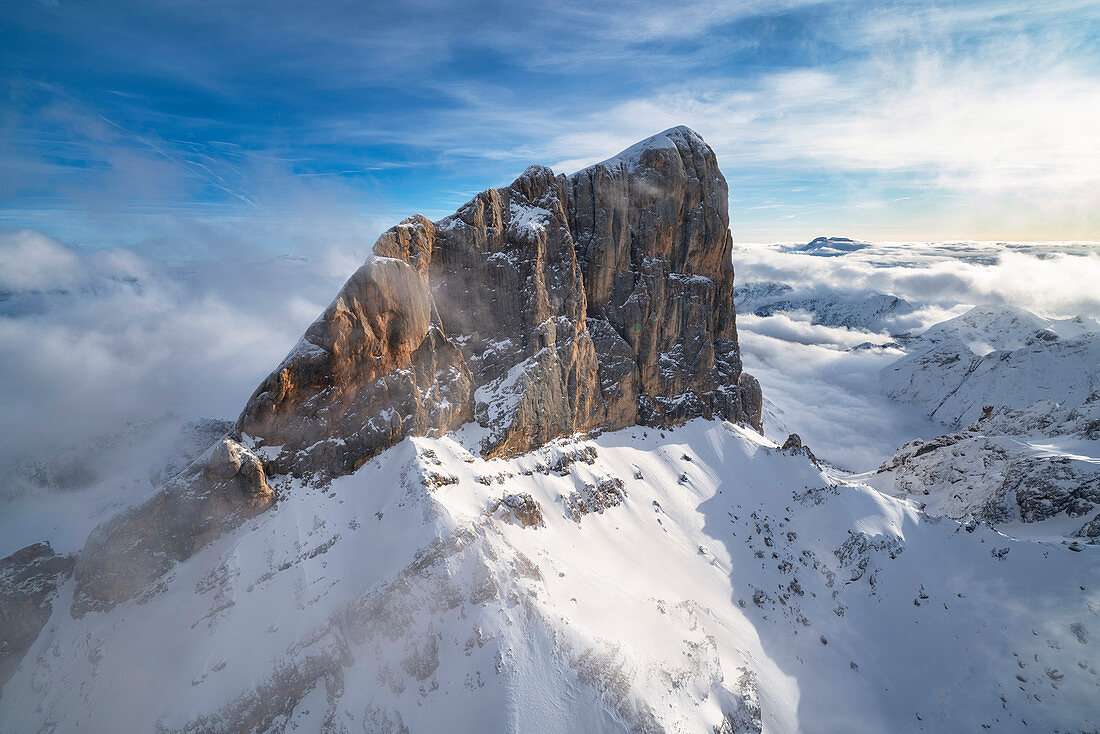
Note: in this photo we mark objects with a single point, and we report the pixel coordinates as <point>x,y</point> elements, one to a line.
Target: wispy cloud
<point>1015,140</point>
<point>975,117</point>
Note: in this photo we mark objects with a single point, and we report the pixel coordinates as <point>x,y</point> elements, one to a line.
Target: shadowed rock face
<point>29,579</point>
<point>551,306</point>
<point>652,233</point>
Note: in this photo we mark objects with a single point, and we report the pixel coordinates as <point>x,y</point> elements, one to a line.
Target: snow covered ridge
<point>633,157</point>
<point>708,582</point>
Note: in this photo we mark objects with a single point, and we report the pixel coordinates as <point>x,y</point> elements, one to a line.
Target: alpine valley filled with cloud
<point>568,452</point>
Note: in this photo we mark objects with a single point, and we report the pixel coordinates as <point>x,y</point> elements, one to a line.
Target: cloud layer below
<point>828,392</point>
<point>90,340</point>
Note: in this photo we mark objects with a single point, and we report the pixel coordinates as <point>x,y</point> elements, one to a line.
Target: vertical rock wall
<point>551,306</point>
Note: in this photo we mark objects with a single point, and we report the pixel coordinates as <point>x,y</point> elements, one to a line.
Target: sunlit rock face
<point>373,368</point>
<point>551,306</point>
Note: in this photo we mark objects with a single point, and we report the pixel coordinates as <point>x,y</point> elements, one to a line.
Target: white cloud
<point>1051,279</point>
<point>831,397</point>
<point>1009,128</point>
<point>89,340</point>
<point>797,327</point>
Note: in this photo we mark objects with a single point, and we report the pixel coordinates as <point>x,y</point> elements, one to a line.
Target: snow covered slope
<point>692,580</point>
<point>997,356</point>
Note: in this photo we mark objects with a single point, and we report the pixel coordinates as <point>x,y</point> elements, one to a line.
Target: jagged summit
<point>553,305</point>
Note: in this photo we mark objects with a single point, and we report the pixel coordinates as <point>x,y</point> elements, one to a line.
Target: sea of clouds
<point>90,340</point>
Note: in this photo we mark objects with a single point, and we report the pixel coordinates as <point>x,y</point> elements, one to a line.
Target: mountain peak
<point>550,306</point>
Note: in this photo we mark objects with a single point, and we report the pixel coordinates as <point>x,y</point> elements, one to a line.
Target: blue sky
<point>163,126</point>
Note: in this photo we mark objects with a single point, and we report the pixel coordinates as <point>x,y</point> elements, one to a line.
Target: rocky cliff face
<point>554,305</point>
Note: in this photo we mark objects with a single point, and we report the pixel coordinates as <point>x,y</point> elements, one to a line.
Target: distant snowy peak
<point>753,293</point>
<point>997,356</point>
<point>1027,389</point>
<point>985,329</point>
<point>830,246</point>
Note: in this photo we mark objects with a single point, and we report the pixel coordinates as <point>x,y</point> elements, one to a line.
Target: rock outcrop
<point>126,554</point>
<point>993,471</point>
<point>29,579</point>
<point>554,305</point>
